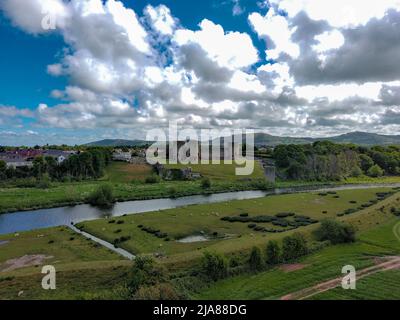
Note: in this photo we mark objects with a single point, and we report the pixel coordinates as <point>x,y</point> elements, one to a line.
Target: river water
<point>37,219</point>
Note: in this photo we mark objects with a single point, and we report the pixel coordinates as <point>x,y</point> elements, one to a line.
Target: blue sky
<point>112,70</point>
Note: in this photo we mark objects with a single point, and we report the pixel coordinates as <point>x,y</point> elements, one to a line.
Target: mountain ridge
<point>357,137</point>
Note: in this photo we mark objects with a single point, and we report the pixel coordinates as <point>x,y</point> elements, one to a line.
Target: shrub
<point>43,182</point>
<point>145,272</point>
<point>162,291</point>
<point>102,197</point>
<point>335,231</point>
<point>255,259</point>
<point>172,191</point>
<point>272,252</point>
<point>206,183</point>
<point>252,225</point>
<point>244,214</point>
<point>375,171</point>
<point>356,172</point>
<point>294,247</point>
<point>284,214</point>
<point>214,266</point>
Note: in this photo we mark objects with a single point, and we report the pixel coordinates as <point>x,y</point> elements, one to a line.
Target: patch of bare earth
<point>2,243</point>
<point>23,262</point>
<point>381,264</point>
<point>292,267</point>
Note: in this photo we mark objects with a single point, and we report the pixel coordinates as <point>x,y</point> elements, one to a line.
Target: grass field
<point>62,244</point>
<point>122,172</point>
<point>380,286</point>
<point>83,267</point>
<point>221,172</point>
<point>86,271</point>
<point>225,236</point>
<point>127,182</point>
<point>324,265</point>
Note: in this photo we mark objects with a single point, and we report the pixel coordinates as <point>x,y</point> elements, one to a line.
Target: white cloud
<point>339,13</point>
<point>340,92</point>
<point>231,50</point>
<point>119,78</point>
<point>29,15</point>
<point>276,28</point>
<point>161,19</point>
<point>329,40</point>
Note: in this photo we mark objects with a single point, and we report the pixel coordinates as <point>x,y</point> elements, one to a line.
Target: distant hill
<point>360,138</point>
<point>364,138</point>
<point>116,143</point>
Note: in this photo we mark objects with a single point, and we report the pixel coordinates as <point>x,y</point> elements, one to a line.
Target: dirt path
<point>390,264</point>
<point>104,243</point>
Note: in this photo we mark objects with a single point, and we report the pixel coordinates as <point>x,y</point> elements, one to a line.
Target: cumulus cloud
<point>328,68</point>
<point>33,15</point>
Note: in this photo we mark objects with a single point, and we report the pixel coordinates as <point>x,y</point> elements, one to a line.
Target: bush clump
<point>214,266</point>
<point>284,214</point>
<point>273,252</point>
<point>255,259</point>
<point>336,232</point>
<point>375,171</point>
<point>294,247</point>
<point>102,197</point>
<point>144,273</point>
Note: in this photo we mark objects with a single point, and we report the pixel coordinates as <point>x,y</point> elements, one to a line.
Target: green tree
<point>273,252</point>
<point>214,266</point>
<point>39,167</point>
<point>336,232</point>
<point>255,259</point>
<point>375,171</point>
<point>294,247</point>
<point>103,196</point>
<point>144,273</point>
<point>356,172</point>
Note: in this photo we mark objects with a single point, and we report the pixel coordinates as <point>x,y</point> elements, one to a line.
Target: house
<point>16,162</point>
<point>176,174</point>
<point>59,155</point>
<point>119,155</point>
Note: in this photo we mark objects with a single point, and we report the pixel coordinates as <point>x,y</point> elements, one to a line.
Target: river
<point>45,218</point>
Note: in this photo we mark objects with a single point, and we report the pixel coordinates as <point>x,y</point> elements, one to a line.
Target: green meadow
<point>224,236</point>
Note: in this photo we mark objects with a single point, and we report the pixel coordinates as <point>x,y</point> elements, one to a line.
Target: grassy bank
<point>324,265</point>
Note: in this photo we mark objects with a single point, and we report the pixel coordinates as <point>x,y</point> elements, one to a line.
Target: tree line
<point>84,165</point>
<point>325,160</point>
